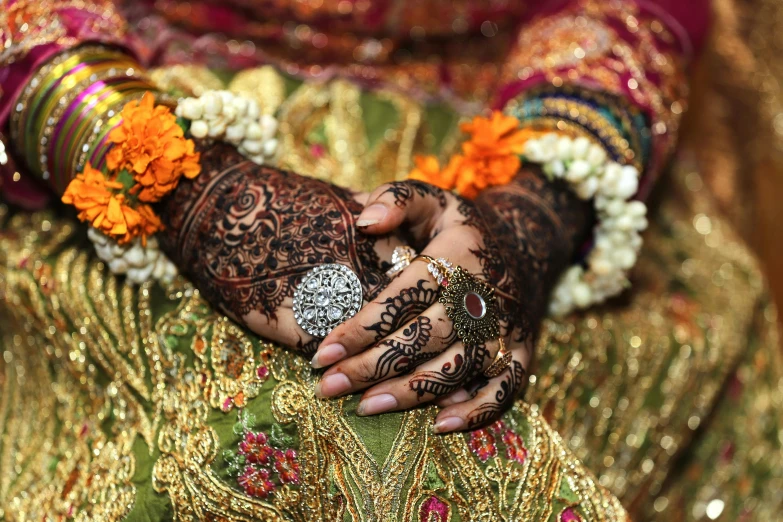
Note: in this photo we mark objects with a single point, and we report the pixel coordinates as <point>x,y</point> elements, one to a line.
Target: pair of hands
<point>247,234</point>
<point>401,347</point>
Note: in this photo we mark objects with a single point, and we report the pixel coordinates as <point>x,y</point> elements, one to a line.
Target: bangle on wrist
<point>68,106</point>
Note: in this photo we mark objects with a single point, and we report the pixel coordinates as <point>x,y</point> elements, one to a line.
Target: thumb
<point>414,203</point>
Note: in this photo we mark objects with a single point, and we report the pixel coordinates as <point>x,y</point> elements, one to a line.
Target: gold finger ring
<point>440,269</point>
<point>501,361</point>
<point>401,258</point>
<point>469,301</point>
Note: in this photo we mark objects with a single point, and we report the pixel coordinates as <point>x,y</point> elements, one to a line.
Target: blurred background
<point>734,126</point>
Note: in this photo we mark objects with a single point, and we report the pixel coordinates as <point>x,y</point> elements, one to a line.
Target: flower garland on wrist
<point>493,155</point>
<point>149,156</point>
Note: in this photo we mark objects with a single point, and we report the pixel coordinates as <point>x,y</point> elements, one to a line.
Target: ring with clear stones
<point>327,296</point>
<point>400,260</point>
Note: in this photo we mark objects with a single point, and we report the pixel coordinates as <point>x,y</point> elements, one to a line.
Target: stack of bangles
<point>470,303</point>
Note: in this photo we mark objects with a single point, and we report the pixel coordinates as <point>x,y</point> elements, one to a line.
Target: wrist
<point>63,116</point>
<point>546,216</point>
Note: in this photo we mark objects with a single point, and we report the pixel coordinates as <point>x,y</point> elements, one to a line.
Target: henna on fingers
<point>404,191</point>
<point>453,374</point>
<point>511,382</point>
<point>406,352</point>
<point>405,306</point>
<point>518,238</point>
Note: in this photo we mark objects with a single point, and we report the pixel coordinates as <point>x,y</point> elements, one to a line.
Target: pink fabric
<point>688,19</point>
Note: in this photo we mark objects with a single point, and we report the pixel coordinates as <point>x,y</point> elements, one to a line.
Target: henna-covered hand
<point>518,238</point>
<point>247,233</point>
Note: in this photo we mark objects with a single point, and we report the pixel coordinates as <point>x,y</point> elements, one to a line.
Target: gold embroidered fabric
<point>122,403</point>
<point>126,381</point>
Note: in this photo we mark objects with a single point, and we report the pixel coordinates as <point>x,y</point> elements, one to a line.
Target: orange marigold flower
<point>92,195</point>
<point>428,170</point>
<point>490,157</point>
<point>150,222</point>
<point>498,135</point>
<point>152,147</point>
<point>478,174</point>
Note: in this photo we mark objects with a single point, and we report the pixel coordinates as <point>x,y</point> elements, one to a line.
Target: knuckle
<point>365,368</point>
<point>351,335</point>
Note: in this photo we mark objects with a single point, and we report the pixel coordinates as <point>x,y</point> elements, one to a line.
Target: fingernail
<point>448,424</point>
<point>456,397</point>
<point>376,404</point>
<point>372,215</point>
<point>333,385</point>
<point>327,355</point>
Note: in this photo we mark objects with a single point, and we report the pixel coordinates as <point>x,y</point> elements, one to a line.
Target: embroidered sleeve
<point>32,31</point>
<point>611,71</point>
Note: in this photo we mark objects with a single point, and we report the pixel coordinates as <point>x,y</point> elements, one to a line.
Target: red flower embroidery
<point>434,510</point>
<point>569,515</point>
<point>287,466</point>
<point>515,447</point>
<point>255,448</point>
<point>255,482</point>
<point>482,444</point>
<point>498,426</point>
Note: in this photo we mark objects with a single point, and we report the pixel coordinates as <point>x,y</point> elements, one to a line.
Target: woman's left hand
<point>414,353</point>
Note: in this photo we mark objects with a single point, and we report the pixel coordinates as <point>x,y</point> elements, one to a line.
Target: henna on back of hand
<point>246,233</point>
<point>537,227</point>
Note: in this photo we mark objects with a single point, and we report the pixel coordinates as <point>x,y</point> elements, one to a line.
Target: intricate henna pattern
<point>402,308</point>
<point>536,227</point>
<point>246,233</point>
<point>521,236</point>
<point>403,191</point>
<point>512,382</point>
<point>452,375</point>
<point>405,352</point>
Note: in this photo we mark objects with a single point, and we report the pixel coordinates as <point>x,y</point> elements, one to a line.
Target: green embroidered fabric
<point>145,404</point>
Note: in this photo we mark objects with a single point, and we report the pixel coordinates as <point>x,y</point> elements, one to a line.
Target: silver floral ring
<point>328,295</point>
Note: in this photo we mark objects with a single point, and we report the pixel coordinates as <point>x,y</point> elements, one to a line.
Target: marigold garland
<point>99,203</point>
<point>490,157</point>
<point>152,147</point>
<point>493,156</point>
<point>149,156</point>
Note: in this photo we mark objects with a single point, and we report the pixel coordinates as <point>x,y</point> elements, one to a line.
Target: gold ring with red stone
<point>469,301</point>
<point>501,361</point>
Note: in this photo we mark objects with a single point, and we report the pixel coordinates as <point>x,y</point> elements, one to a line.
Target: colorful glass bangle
<point>69,107</point>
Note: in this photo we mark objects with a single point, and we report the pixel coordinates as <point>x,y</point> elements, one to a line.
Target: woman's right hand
<point>247,233</point>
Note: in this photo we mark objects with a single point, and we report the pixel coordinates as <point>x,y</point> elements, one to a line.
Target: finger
<point>423,338</point>
<point>282,329</point>
<point>461,395</point>
<point>490,401</point>
<point>406,297</point>
<point>442,376</point>
<point>415,203</point>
